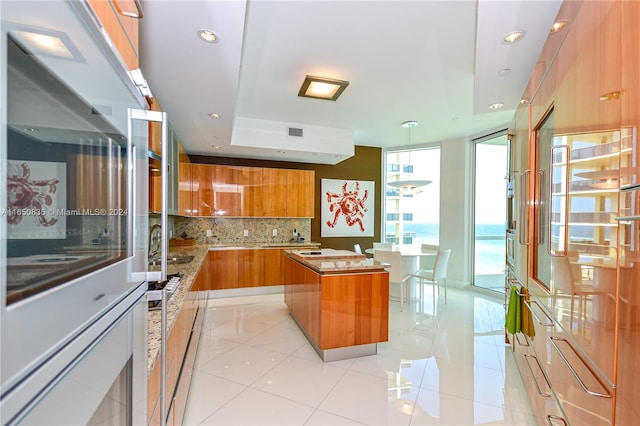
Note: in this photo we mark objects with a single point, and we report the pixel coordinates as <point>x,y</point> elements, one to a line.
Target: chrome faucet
<point>154,240</point>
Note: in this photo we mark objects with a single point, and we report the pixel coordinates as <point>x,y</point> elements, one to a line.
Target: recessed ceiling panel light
<point>410,123</point>
<point>214,115</point>
<point>524,101</point>
<point>504,71</point>
<point>497,105</point>
<point>50,43</point>
<point>208,36</point>
<point>322,88</point>
<point>558,25</point>
<point>513,37</point>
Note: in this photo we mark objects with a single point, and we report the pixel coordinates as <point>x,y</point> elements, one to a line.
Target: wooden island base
<point>341,305</point>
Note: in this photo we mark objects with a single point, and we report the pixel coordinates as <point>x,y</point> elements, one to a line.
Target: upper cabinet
<point>184,182</point>
<point>214,190</point>
<point>120,19</point>
<point>250,196</point>
<point>274,192</point>
<point>300,193</point>
<point>251,191</point>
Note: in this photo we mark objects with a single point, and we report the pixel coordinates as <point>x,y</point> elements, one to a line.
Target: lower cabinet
<point>182,345</point>
<point>246,268</point>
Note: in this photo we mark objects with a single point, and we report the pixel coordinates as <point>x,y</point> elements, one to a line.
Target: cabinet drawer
<point>586,397</point>
<point>544,401</point>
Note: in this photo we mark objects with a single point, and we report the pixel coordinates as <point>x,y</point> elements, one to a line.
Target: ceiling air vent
<point>295,132</point>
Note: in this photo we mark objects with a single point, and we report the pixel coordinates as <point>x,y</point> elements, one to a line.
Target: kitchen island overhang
<point>339,299</point>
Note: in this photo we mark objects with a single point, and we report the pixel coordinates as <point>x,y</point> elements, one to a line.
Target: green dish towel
<point>514,317</point>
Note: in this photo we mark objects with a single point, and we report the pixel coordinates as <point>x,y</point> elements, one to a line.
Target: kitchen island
<point>339,299</point>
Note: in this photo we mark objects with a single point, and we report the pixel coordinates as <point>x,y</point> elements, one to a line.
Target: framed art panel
<point>347,208</point>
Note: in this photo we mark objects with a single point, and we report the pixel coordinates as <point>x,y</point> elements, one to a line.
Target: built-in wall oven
<point>73,201</point>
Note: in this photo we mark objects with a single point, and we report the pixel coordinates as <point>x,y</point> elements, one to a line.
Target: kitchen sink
<point>172,260</point>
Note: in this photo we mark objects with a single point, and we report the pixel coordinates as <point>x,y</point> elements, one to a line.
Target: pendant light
<point>410,186</point>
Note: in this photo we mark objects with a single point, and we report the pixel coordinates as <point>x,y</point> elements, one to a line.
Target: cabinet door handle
<point>535,382</point>
<point>523,236</point>
<point>526,342</point>
<point>574,372</point>
<point>550,323</point>
<point>137,15</point>
<point>552,417</point>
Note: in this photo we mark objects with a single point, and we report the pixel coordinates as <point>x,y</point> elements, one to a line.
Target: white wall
<point>456,177</point>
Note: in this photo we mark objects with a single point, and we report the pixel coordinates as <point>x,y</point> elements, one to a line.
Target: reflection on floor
<point>254,367</point>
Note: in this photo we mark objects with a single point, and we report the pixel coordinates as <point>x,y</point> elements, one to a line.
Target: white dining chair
<point>396,273</point>
<point>436,276</point>
<point>382,246</point>
<point>427,262</point>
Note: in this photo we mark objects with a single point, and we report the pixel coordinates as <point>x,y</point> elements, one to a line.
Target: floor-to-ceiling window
<point>412,216</point>
<point>490,211</point>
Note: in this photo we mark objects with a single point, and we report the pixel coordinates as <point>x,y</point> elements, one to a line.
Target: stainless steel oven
<point>73,184</point>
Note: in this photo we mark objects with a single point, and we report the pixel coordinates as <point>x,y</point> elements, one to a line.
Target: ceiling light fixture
<point>504,71</point>
<point>214,115</point>
<point>322,88</point>
<point>524,101</point>
<point>558,25</point>
<point>216,146</point>
<point>208,36</point>
<point>497,105</point>
<point>409,186</point>
<point>513,37</point>
<point>50,43</point>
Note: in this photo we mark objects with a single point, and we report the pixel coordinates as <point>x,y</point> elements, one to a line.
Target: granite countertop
<point>251,246</point>
<point>189,272</point>
<point>329,261</point>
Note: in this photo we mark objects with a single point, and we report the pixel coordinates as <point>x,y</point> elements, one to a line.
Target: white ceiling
<point>435,62</point>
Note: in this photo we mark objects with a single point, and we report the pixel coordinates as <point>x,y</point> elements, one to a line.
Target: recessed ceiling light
<point>216,146</point>
<point>497,105</point>
<point>558,25</point>
<point>513,37</point>
<point>208,36</point>
<point>410,123</point>
<point>322,88</point>
<point>282,152</point>
<point>504,71</point>
<point>524,101</point>
<point>214,115</point>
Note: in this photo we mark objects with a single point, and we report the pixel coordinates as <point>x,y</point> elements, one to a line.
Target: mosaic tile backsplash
<point>231,230</point>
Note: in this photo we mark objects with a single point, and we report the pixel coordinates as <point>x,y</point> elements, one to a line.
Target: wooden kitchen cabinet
<point>214,190</point>
<point>251,191</point>
<point>300,193</point>
<point>251,267</point>
<point>245,268</point>
<point>249,181</point>
<point>274,192</point>
<point>184,182</point>
<point>223,267</point>
<point>119,20</point>
<point>274,267</point>
<point>155,128</point>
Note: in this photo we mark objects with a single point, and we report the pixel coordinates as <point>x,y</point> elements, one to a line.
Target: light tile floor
<point>255,367</point>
